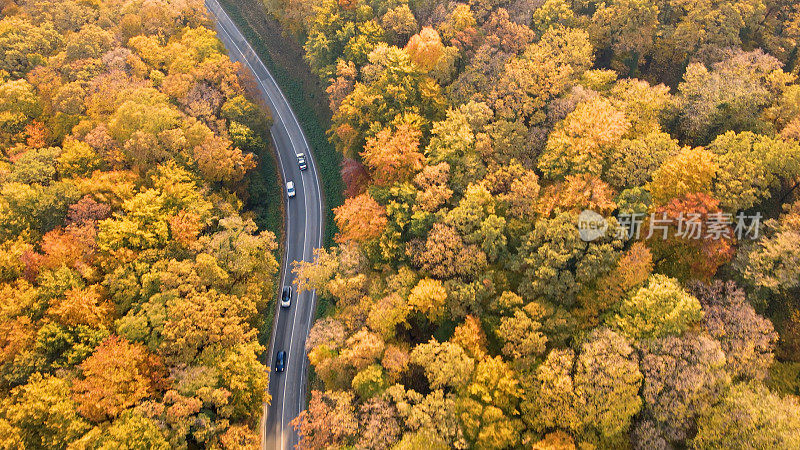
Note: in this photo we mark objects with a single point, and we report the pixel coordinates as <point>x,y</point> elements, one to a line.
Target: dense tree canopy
<point>478,134</point>
<point>133,284</point>
<point>548,239</point>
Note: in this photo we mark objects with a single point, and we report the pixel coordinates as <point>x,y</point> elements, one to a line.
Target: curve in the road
<point>304,211</point>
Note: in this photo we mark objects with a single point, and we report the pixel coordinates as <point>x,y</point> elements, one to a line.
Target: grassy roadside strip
<point>327,158</point>
<point>265,202</point>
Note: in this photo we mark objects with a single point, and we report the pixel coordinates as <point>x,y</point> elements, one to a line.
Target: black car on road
<point>280,361</point>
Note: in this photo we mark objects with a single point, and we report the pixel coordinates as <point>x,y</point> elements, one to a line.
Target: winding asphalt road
<point>303,235</point>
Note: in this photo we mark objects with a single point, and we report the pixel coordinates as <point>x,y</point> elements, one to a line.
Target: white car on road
<point>290,189</point>
<point>286,297</point>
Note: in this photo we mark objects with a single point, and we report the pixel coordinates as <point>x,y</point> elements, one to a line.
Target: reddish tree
<point>38,135</point>
<point>687,253</point>
<point>355,177</point>
<point>87,210</point>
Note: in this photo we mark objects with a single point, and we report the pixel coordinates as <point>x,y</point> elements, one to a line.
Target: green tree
<point>771,263</point>
<point>660,308</point>
<point>555,263</point>
<point>633,162</point>
<point>36,166</point>
<point>19,105</point>
<point>399,24</point>
<point>369,382</point>
<point>521,333</point>
<point>40,208</point>
<point>730,96</point>
<point>24,45</point>
<point>628,28</point>
<point>607,377</point>
<point>751,167</point>
<point>394,87</point>
<point>445,364</point>
<point>750,413</point>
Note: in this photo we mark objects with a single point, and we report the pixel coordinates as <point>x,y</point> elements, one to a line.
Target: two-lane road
<point>303,234</point>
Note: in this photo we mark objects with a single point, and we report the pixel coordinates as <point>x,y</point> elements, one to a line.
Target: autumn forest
<point>469,310</point>
<point>465,302</point>
<point>132,284</point>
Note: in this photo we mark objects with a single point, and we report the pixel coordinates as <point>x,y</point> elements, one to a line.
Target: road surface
<point>303,234</point>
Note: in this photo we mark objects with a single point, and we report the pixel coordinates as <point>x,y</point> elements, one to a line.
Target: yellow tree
<point>394,156</point>
<point>489,413</point>
<point>470,336</point>
<point>691,171</point>
<point>545,70</point>
<point>425,48</point>
<point>429,53</point>
<point>40,414</point>
<point>584,140</point>
<point>576,193</point>
<point>429,297</point>
<point>360,219</point>
<point>82,307</point>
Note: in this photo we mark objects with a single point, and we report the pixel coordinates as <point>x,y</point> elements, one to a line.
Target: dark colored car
<point>286,297</point>
<point>280,361</point>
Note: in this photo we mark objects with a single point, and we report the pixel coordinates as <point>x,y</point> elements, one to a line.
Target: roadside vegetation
<point>283,57</point>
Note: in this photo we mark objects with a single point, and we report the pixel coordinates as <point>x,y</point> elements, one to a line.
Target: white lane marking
<point>294,320</point>
<point>305,241</point>
<point>316,185</point>
<point>313,293</point>
<point>284,176</point>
